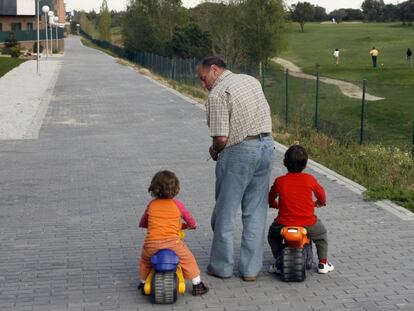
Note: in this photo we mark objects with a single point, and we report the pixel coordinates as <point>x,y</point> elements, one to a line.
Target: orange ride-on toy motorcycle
<point>297,255</point>
<point>166,278</point>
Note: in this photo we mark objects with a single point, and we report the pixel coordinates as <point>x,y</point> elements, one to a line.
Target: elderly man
<point>238,116</point>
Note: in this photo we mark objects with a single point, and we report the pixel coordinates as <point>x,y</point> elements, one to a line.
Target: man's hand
<point>213,153</point>
<point>219,143</point>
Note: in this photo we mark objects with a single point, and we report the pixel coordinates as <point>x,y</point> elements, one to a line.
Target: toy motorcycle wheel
<point>309,255</point>
<point>294,264</point>
<point>164,289</point>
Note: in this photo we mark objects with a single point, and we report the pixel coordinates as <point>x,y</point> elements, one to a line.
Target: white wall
<point>26,7</point>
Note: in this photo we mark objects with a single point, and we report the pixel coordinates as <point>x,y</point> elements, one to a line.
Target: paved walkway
<point>70,203</point>
<point>348,89</point>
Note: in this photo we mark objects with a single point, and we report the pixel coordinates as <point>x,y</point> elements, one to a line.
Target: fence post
<point>173,69</point>
<point>317,102</point>
<point>286,96</point>
<point>361,132</point>
<point>263,76</point>
<point>412,151</point>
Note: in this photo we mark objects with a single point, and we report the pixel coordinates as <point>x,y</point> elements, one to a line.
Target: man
<point>238,116</point>
<point>374,54</point>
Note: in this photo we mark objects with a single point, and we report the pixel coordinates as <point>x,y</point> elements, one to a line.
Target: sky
<point>119,5</point>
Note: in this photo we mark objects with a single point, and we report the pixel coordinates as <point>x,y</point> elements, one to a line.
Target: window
<point>16,26</point>
<point>29,26</point>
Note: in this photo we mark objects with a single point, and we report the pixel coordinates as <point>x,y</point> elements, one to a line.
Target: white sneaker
<point>325,267</point>
<point>274,269</point>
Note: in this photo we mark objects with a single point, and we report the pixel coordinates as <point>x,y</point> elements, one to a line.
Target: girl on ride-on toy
<point>296,208</point>
<point>162,218</point>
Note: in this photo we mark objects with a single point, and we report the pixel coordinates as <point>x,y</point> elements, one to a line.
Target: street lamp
<point>45,10</point>
<point>38,35</point>
<point>56,20</point>
<point>51,15</point>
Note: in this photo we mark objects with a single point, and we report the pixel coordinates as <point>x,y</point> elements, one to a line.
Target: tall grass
<point>387,172</point>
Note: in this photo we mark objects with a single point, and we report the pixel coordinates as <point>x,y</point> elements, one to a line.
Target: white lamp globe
<point>51,14</point>
<point>45,9</point>
<point>55,19</point>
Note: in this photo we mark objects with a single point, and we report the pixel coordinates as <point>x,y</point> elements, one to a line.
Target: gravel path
<point>24,98</point>
<point>347,88</point>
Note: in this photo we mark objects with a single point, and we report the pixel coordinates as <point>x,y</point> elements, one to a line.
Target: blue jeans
<point>242,178</point>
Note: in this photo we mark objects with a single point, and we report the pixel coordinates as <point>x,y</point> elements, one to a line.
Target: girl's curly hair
<point>164,185</point>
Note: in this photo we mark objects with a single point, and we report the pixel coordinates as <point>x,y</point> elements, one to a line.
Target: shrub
<point>35,47</point>
<point>15,51</point>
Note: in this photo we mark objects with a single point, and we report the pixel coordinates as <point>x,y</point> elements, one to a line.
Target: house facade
<point>19,17</point>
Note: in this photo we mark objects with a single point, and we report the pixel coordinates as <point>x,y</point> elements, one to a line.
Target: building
<point>19,17</point>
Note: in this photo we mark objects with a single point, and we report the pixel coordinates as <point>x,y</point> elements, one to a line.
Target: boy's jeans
<point>242,178</point>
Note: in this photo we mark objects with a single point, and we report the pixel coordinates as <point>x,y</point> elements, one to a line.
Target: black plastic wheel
<point>293,266</point>
<point>164,288</point>
<point>309,255</point>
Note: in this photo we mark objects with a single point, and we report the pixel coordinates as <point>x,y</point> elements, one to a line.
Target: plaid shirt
<point>237,108</point>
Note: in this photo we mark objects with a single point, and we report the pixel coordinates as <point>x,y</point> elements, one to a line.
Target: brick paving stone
<point>71,201</point>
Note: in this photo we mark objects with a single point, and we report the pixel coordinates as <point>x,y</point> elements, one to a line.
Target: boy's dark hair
<point>212,60</point>
<point>164,185</point>
<point>295,159</point>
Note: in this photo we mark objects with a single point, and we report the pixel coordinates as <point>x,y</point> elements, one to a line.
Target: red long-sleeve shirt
<point>296,205</point>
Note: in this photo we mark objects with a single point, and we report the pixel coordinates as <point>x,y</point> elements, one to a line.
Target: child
<point>296,208</point>
<point>162,218</point>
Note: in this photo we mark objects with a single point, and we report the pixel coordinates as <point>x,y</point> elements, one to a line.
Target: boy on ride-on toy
<point>296,208</point>
<point>162,218</point>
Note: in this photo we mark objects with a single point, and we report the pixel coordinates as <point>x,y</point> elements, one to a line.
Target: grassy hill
<point>389,121</point>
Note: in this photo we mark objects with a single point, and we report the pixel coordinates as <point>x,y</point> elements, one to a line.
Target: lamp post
<point>51,16</point>
<point>56,20</point>
<point>38,35</point>
<point>45,10</point>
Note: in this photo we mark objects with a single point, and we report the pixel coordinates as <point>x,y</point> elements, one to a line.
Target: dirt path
<point>347,88</point>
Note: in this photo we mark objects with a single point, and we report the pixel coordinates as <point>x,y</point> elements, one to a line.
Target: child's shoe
<point>199,289</point>
<point>274,269</point>
<point>325,267</point>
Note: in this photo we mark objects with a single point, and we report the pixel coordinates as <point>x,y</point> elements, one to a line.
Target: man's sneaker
<point>274,269</point>
<point>199,289</point>
<point>325,267</point>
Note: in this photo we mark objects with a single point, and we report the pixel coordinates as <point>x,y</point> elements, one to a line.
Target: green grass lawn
<point>7,64</point>
<point>389,121</point>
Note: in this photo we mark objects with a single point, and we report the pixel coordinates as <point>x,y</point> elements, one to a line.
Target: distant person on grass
<point>374,54</point>
<point>336,56</point>
<point>294,193</point>
<point>409,58</point>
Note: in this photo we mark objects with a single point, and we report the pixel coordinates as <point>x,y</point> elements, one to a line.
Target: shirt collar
<point>223,75</point>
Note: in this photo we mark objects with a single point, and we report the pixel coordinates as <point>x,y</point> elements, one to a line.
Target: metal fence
<point>29,35</point>
<point>308,102</point>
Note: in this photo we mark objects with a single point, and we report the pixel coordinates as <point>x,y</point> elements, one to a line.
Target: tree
<point>302,12</point>
<point>407,12</point>
<point>262,29</point>
<point>149,25</point>
<point>191,42</point>
<point>373,10</point>
<point>320,14</point>
<point>221,21</point>
<point>104,22</point>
